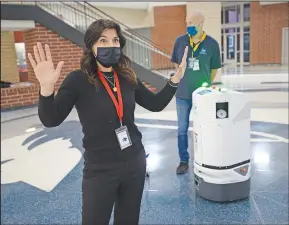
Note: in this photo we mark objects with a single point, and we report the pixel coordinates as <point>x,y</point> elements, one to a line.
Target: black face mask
<point>108,56</point>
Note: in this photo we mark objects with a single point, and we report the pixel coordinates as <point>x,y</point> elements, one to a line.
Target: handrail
<point>80,16</point>
<point>144,44</point>
<point>129,31</point>
<point>128,28</point>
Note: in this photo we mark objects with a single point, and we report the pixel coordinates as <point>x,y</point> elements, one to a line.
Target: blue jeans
<point>184,107</point>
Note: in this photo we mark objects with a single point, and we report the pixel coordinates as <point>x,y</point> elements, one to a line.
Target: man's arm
<point>213,74</point>
<point>216,63</point>
<point>176,66</point>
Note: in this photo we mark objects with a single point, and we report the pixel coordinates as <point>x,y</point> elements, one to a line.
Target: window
<point>230,47</point>
<point>222,42</point>
<point>232,14</point>
<point>246,56</point>
<point>230,30</point>
<point>21,56</point>
<point>246,29</point>
<point>247,42</point>
<point>238,42</point>
<point>246,12</point>
<point>246,46</point>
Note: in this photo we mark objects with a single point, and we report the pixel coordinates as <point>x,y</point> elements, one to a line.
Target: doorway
<point>235,40</point>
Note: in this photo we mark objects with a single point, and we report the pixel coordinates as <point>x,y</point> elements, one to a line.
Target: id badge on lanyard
<point>194,64</point>
<point>193,61</point>
<point>122,133</point>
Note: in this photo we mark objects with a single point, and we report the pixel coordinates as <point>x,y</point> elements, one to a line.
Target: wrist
<point>46,90</point>
<point>175,79</point>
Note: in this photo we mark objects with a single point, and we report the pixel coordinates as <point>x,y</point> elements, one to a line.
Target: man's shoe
<point>182,168</point>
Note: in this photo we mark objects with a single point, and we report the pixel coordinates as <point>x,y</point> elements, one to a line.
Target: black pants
<point>118,184</point>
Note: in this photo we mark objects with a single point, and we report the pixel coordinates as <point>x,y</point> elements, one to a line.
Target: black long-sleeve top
<point>97,113</point>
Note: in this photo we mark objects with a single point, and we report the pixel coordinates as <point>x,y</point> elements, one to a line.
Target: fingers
<point>184,59</point>
<point>36,54</point>
<point>185,54</point>
<point>48,53</point>
<point>59,67</point>
<point>41,52</point>
<point>31,60</point>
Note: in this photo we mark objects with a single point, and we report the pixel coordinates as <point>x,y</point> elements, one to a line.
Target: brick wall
<point>170,22</point>
<point>9,68</point>
<point>266,24</point>
<point>61,50</point>
<point>19,96</point>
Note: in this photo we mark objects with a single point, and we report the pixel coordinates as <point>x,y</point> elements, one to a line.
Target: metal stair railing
<point>95,10</point>
<point>79,16</point>
<point>139,49</point>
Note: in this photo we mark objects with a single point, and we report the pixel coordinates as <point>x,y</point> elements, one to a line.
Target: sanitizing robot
<point>222,151</point>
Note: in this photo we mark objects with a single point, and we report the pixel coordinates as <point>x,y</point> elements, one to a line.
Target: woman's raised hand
<point>182,68</point>
<point>183,65</point>
<point>44,69</point>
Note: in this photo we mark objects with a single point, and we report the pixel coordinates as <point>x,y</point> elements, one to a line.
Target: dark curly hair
<point>88,61</point>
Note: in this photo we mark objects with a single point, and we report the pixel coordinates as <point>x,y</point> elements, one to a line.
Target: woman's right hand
<point>44,69</point>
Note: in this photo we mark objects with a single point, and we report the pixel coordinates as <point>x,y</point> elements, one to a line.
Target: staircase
<point>150,87</point>
<point>150,61</point>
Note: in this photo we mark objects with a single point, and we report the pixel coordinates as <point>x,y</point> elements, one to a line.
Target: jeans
<point>184,107</point>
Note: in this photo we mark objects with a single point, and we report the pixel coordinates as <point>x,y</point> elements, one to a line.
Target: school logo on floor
<point>44,158</point>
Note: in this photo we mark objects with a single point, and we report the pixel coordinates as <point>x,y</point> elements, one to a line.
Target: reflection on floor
<point>264,69</point>
<point>41,169</point>
<point>242,70</point>
<point>167,199</point>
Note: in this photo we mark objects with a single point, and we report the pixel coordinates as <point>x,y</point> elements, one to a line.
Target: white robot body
<point>222,152</point>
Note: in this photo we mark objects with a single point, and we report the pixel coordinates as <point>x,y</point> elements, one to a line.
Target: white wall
<point>212,13</point>
<point>16,25</point>
<point>133,18</point>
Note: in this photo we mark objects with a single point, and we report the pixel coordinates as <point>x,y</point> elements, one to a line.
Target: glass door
<point>235,33</point>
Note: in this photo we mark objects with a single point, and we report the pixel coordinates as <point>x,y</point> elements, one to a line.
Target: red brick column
<point>170,22</point>
<point>61,50</point>
<point>266,26</point>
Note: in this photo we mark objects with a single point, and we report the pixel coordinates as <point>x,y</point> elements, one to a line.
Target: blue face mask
<point>192,30</point>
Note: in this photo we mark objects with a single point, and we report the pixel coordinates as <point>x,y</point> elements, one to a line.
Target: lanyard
<point>118,104</point>
<point>197,45</point>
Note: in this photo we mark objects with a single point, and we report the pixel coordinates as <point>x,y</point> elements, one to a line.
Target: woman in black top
<point>104,93</point>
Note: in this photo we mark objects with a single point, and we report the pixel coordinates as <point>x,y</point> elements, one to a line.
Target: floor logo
<point>44,158</point>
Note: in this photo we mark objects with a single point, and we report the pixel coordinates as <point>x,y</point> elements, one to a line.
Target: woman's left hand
<point>182,68</point>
